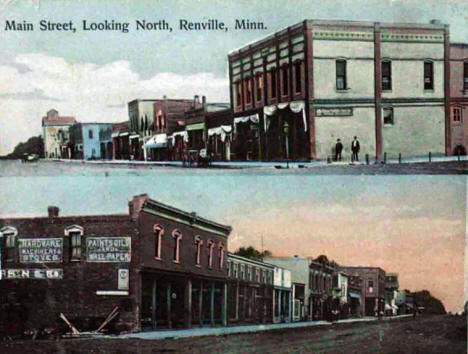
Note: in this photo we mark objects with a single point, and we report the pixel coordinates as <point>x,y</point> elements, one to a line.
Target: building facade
<point>321,288</point>
<point>459,98</point>
<point>250,290</point>
<point>120,141</point>
<point>141,126</point>
<point>391,293</point>
<point>55,131</point>
<point>90,141</point>
<point>372,290</point>
<point>297,91</point>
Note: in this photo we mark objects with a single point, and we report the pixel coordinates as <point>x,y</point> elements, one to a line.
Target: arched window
<point>221,256</point>
<point>158,231</point>
<point>177,235</point>
<point>198,244</point>
<point>9,234</point>
<point>75,232</point>
<point>210,253</point>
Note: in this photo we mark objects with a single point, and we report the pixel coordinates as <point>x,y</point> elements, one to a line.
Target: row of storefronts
<point>160,267</point>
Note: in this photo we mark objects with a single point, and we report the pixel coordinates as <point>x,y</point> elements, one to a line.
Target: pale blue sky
<point>92,75</point>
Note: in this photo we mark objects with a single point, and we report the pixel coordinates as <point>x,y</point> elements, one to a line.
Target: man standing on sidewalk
<point>338,150</point>
<point>355,147</point>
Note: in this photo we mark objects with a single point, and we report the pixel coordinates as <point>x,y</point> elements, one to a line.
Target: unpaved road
<point>432,334</point>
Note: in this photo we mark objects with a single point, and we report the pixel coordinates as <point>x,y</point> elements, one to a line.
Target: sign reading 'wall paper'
<point>108,249</point>
<point>40,250</point>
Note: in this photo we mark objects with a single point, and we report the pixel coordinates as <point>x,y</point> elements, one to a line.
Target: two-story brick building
<point>294,93</point>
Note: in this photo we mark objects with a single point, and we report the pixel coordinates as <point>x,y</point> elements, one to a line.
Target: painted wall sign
<point>123,279</point>
<point>108,249</point>
<point>333,112</point>
<point>56,273</point>
<point>40,250</point>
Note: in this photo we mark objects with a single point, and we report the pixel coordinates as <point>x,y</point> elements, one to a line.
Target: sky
<point>412,225</point>
<point>93,75</point>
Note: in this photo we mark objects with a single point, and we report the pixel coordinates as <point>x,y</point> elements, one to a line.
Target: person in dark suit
<point>355,149</point>
<point>338,150</point>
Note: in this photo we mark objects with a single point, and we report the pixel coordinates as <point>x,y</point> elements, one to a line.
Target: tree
<point>33,145</point>
<point>252,253</point>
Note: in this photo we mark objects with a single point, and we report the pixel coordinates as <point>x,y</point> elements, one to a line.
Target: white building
<point>55,131</point>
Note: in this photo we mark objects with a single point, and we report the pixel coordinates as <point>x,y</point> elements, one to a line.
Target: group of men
<point>355,147</point>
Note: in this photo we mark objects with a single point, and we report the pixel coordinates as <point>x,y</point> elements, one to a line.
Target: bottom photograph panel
<point>273,264</point>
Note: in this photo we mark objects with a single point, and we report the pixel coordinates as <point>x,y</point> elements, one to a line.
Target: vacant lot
<point>434,334</point>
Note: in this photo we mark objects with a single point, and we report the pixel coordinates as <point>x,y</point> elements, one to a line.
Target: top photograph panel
<point>308,87</point>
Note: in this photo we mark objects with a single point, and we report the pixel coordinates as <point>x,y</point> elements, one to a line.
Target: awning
<point>183,134</point>
<point>409,305</point>
<point>253,118</point>
<point>133,136</point>
<point>220,130</point>
<point>157,141</point>
<point>294,106</point>
<point>123,134</point>
<point>354,295</point>
<point>196,126</point>
<point>115,135</point>
<point>387,307</point>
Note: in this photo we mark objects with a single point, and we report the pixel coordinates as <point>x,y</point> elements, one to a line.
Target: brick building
<point>120,141</point>
<point>160,266</point>
<point>372,290</point>
<point>294,93</point>
<point>458,98</point>
<point>321,287</point>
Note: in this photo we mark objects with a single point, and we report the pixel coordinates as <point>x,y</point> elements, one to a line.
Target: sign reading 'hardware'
<point>108,249</point>
<point>40,250</point>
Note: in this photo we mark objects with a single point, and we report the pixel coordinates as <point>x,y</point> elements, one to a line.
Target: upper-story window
<point>249,273</point>
<point>257,275</point>
<point>9,236</point>
<point>198,245</point>
<point>75,233</point>
<point>242,272</point>
<point>229,268</point>
<point>210,253</point>
<point>272,75</point>
<point>341,83</point>
<point>177,236</point>
<point>386,75</point>
<point>90,133</point>
<point>248,97</point>
<point>370,285</point>
<point>388,116</point>
<point>298,76</point>
<point>259,86</point>
<point>158,231</point>
<point>221,256</point>
<point>428,75</point>
<point>234,269</point>
<point>285,80</point>
<point>456,112</point>
<point>465,76</point>
<point>239,93</point>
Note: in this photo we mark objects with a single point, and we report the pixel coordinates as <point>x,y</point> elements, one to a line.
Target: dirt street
<point>432,334</point>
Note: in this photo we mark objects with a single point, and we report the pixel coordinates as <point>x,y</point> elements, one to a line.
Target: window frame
<point>465,75</point>
<point>90,134</point>
<point>390,109</point>
<point>248,91</point>
<point>210,244</point>
<point>298,78</point>
<point>177,236</point>
<point>158,230</point>
<point>238,88</point>
<point>273,79</point>
<point>343,76</point>
<point>285,80</point>
<point>221,256</point>
<point>459,115</point>
<point>259,87</point>
<point>198,244</point>
<point>388,76</point>
<point>10,235</point>
<point>430,64</point>
<point>75,232</point>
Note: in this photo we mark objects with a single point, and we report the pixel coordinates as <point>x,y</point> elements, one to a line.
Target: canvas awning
<point>123,134</point>
<point>115,135</point>
<point>253,118</point>
<point>157,141</point>
<point>294,106</point>
<point>196,126</point>
<point>133,136</point>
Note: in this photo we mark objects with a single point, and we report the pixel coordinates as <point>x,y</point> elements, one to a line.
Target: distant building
<point>373,288</point>
<point>219,139</point>
<point>458,98</point>
<point>141,124</point>
<point>55,130</point>
<point>295,92</point>
<point>355,294</point>
<point>391,293</point>
<point>321,288</point>
<point>300,279</point>
<point>91,140</point>
<point>120,141</point>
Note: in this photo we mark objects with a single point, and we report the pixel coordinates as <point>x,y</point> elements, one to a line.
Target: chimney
<point>136,204</point>
<point>53,211</point>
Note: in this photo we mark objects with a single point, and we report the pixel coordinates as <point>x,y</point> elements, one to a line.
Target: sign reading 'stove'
<point>108,249</point>
<point>40,250</point>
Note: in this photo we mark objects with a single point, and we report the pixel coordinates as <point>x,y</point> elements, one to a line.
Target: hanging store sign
<point>40,250</point>
<point>31,273</point>
<point>333,112</point>
<point>108,249</point>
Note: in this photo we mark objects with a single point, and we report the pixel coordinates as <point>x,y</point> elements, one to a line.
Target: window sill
<point>177,262</point>
<point>342,90</point>
<point>198,265</point>
<point>428,90</point>
<point>387,91</point>
<point>158,259</point>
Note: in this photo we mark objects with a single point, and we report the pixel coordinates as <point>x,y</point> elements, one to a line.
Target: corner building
<point>294,93</point>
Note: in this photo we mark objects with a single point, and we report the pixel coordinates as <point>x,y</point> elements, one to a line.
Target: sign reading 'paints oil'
<point>40,250</point>
<point>108,249</point>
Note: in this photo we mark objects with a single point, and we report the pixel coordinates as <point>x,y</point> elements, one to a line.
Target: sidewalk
<point>261,164</point>
<point>216,331</point>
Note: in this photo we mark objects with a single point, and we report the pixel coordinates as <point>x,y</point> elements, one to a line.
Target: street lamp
<point>286,133</point>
